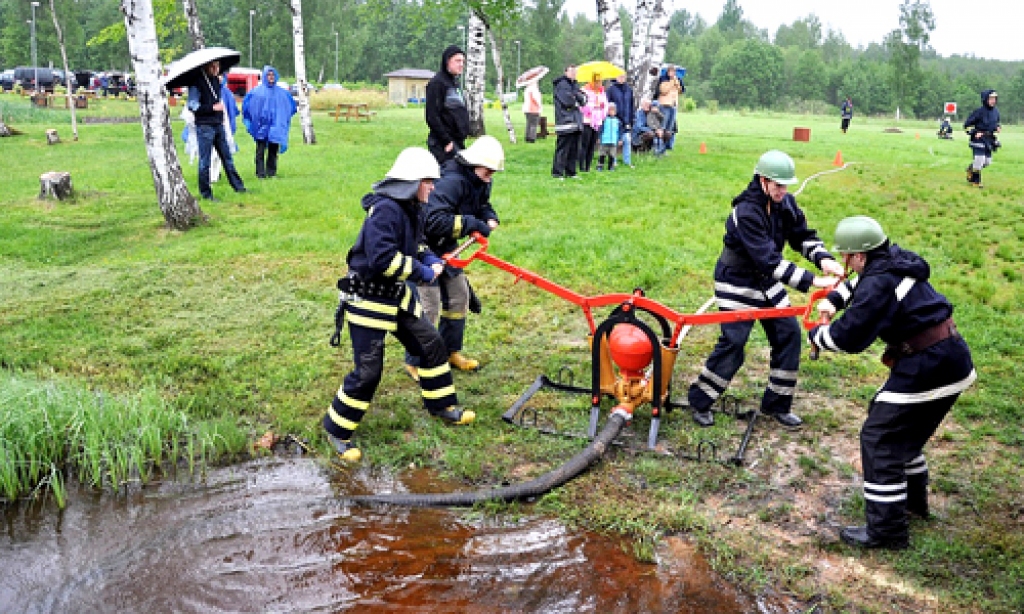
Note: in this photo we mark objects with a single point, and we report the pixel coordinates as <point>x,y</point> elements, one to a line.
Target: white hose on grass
<point>816,175</point>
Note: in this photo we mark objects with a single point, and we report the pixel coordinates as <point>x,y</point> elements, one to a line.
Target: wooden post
<point>51,137</point>
<point>55,184</point>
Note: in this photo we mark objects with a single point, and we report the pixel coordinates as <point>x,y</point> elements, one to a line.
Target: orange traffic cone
<point>917,135</point>
<point>703,148</point>
<point>839,159</point>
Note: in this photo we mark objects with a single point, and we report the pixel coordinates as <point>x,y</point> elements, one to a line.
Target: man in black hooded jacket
<point>982,125</point>
<point>891,299</point>
<point>446,112</point>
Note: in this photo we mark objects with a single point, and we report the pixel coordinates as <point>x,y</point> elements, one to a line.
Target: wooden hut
<point>408,85</point>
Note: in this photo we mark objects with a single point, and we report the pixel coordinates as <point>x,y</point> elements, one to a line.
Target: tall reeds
<point>50,431</point>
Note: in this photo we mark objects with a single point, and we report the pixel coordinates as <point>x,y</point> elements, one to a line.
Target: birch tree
<point>496,58</point>
<point>308,136</point>
<point>611,22</point>
<point>179,207</point>
<point>657,39</point>
<point>195,31</point>
<point>476,68</point>
<point>67,72</point>
<point>639,62</point>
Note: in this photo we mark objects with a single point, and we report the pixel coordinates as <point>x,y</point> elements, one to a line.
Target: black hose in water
<point>553,479</point>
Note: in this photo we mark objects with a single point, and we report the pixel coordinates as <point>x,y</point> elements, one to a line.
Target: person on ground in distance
<point>983,126</point>
<point>751,273</point>
<point>376,300</point>
<point>568,124</point>
<point>622,95</point>
<point>445,110</point>
<point>267,112</point>
<point>846,110</point>
<point>892,299</point>
<point>205,101</point>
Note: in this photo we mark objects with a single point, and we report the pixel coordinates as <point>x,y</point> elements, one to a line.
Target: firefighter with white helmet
<point>891,299</point>
<point>375,300</point>
<point>459,206</point>
<point>752,273</point>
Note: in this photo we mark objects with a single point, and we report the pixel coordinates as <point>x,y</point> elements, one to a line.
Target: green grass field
<point>229,322</point>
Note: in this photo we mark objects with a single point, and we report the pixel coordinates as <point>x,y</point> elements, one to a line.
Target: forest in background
<point>730,63</point>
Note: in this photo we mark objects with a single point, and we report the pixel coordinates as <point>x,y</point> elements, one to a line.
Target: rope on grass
<point>816,175</point>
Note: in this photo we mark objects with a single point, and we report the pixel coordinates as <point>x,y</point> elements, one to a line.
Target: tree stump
<point>51,137</point>
<point>55,185</point>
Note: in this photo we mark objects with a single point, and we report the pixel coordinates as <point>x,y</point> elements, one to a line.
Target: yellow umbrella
<point>604,70</point>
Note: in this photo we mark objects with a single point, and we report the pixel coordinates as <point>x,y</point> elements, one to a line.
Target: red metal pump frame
<point>589,303</point>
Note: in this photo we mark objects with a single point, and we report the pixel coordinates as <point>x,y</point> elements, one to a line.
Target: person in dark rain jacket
<point>375,300</point>
<point>983,125</point>
<point>750,274</point>
<point>459,206</point>
<point>445,110</point>
<point>569,101</point>
<point>891,299</point>
<point>846,109</point>
<point>205,102</point>
<point>267,112</point>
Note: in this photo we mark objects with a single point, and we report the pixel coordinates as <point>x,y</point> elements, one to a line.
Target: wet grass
<point>229,323</point>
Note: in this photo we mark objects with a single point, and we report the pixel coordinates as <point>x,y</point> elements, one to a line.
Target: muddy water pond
<point>272,535</point>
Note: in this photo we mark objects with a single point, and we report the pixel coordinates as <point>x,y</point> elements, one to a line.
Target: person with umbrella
<point>205,102</point>
<point>532,104</point>
<point>267,111</point>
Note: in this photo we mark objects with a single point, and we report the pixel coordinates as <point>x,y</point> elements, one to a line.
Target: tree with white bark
<point>308,136</point>
<point>608,15</point>
<point>180,208</point>
<point>67,72</point>
<point>496,58</point>
<point>475,71</point>
<point>195,30</point>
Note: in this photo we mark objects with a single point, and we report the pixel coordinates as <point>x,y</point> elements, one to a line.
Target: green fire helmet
<point>777,166</point>
<point>859,233</point>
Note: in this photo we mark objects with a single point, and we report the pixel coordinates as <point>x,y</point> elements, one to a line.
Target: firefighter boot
<point>453,415</point>
<point>704,418</point>
<point>460,362</point>
<point>346,450</point>
<point>858,536</point>
<point>970,173</point>
<point>976,180</point>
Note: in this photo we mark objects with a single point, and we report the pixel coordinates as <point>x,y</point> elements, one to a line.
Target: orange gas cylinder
<point>630,348</point>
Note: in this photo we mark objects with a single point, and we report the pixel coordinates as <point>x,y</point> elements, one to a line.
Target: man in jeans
<point>204,100</point>
<point>622,95</point>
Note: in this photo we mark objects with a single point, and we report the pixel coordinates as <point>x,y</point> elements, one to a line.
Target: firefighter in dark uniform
<point>375,300</point>
<point>930,364</point>
<point>846,109</point>
<point>459,205</point>
<point>751,274</point>
<point>982,126</point>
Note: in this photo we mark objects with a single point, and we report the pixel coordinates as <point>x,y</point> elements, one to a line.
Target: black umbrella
<point>182,73</point>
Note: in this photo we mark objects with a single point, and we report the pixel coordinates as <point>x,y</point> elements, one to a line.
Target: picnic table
<point>356,110</point>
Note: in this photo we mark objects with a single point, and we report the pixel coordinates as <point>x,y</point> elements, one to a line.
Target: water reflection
<point>270,536</point>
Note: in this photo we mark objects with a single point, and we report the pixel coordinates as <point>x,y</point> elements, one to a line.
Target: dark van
<point>26,76</point>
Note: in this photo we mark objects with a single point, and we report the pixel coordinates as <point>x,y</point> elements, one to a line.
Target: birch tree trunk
<point>195,30</point>
<point>67,73</point>
<point>608,15</point>
<point>496,58</point>
<point>308,136</point>
<point>639,61</point>
<point>476,69</point>
<point>654,50</point>
<point>179,207</point>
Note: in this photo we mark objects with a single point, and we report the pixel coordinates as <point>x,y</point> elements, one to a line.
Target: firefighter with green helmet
<point>930,366</point>
<point>752,273</point>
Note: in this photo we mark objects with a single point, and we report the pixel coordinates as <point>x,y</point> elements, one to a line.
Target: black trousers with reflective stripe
<point>420,339</point>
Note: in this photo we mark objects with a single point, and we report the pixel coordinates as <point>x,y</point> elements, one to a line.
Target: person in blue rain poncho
<point>267,112</point>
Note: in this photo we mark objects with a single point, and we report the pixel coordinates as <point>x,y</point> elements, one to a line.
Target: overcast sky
<point>992,31</point>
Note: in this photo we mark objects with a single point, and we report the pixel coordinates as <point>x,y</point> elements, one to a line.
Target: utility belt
<point>919,342</point>
<point>356,286</point>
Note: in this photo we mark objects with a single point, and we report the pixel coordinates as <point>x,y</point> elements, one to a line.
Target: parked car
<point>26,76</point>
<point>294,89</point>
<point>7,80</point>
<point>332,86</point>
<point>58,79</point>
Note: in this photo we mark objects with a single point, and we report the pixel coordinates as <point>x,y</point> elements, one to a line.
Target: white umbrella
<point>534,74</point>
<point>181,73</point>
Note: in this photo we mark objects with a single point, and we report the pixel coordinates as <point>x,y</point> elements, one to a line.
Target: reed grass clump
<point>51,431</point>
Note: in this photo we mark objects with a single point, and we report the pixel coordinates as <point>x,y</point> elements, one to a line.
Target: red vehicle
<point>241,81</point>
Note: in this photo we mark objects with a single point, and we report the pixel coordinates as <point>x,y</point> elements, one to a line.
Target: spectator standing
<point>568,124</point>
<point>930,365</point>
<point>750,274</point>
<point>533,107</point>
<point>205,101</point>
<point>611,136</point>
<point>445,109</point>
<point>622,95</point>
<point>594,112</point>
<point>847,114</point>
<point>670,88</point>
<point>267,112</point>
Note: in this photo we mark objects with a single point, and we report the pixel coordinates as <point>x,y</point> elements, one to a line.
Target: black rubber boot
<point>858,536</point>
<point>704,418</point>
